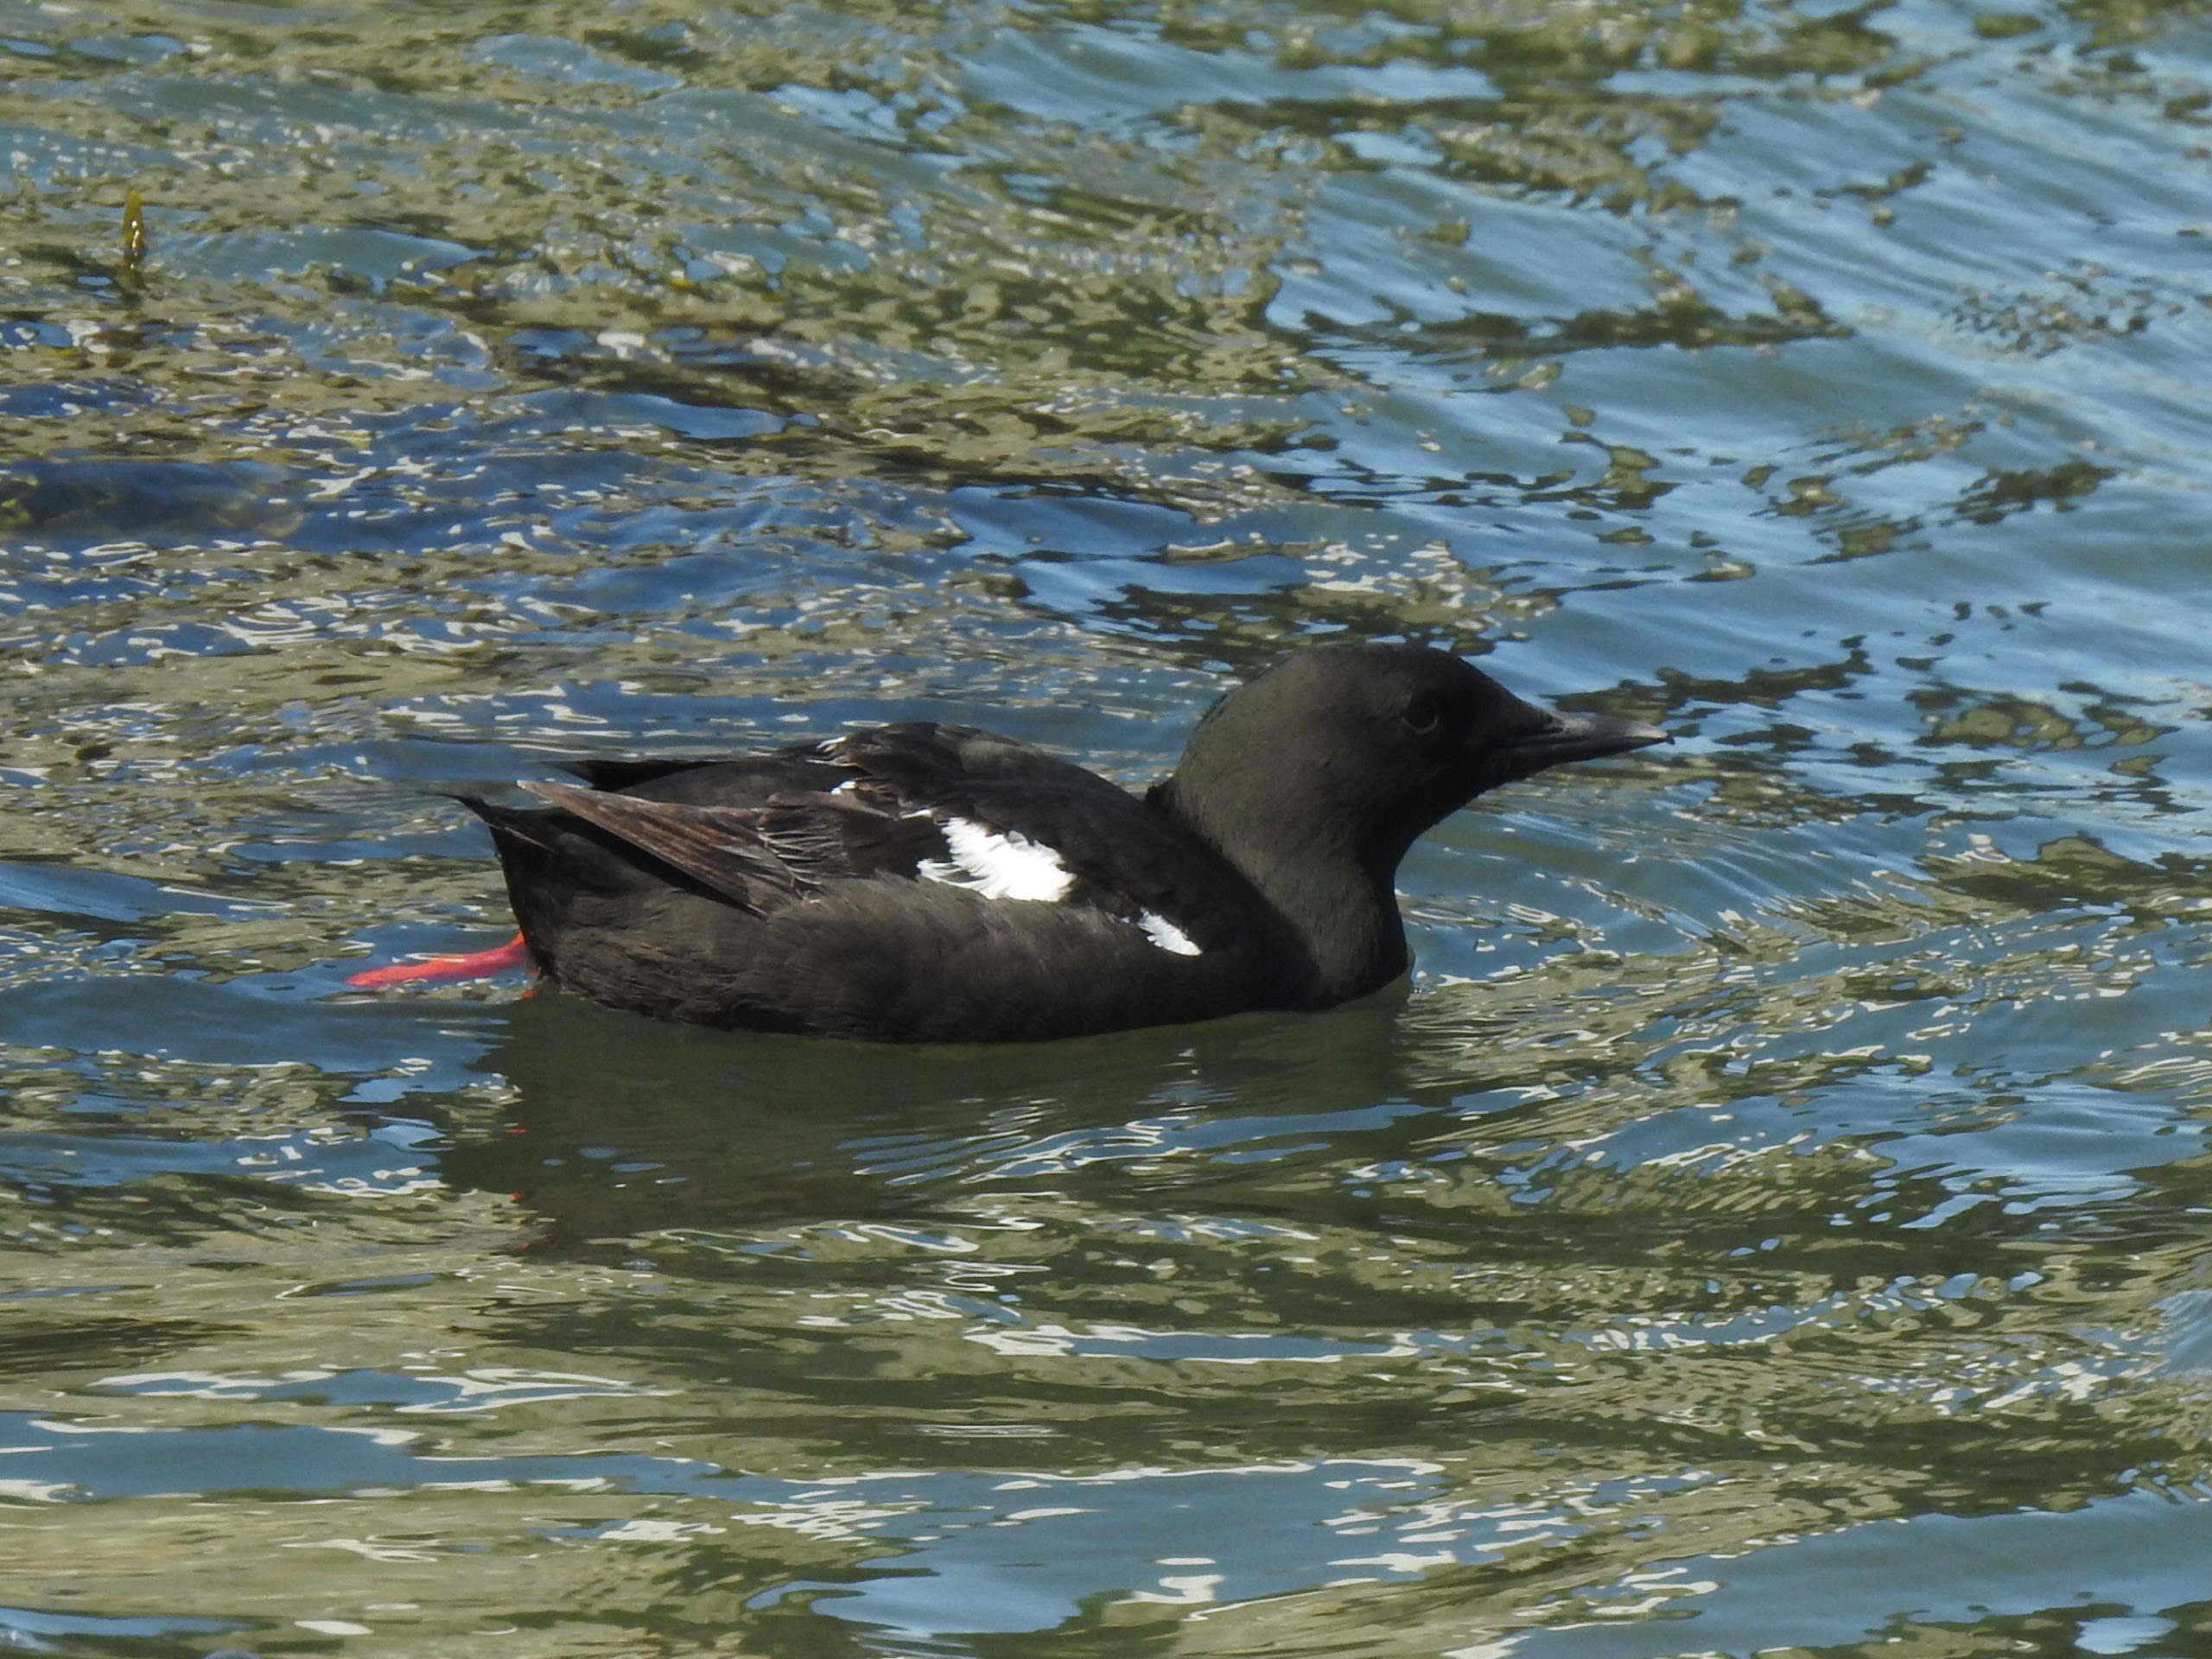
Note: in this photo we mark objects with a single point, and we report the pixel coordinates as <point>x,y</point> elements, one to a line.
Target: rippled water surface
<point>1775,1217</point>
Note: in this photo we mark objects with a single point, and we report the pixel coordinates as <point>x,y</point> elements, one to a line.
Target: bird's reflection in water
<point>620,1124</point>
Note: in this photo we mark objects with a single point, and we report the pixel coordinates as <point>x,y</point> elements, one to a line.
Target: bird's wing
<point>719,847</point>
<point>1011,814</point>
<point>761,857</point>
<point>934,802</point>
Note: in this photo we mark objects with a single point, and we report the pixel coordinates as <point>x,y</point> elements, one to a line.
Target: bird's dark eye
<point>1422,716</point>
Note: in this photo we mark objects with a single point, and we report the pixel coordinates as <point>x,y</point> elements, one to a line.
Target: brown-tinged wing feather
<point>859,831</point>
<point>719,847</point>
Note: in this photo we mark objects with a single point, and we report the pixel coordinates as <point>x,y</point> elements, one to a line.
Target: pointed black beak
<point>1564,737</point>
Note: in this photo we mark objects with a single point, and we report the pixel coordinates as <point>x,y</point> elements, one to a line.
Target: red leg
<point>473,964</point>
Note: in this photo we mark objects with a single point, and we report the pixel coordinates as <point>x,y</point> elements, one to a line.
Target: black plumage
<point>931,883</point>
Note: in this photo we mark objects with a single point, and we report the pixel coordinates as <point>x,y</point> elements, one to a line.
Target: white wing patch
<point>998,866</point>
<point>1165,934</point>
<point>1006,864</point>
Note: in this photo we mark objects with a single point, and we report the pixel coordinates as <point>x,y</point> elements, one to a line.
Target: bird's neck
<point>1343,908</point>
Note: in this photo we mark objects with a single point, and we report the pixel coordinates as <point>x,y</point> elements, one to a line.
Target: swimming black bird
<point>929,883</point>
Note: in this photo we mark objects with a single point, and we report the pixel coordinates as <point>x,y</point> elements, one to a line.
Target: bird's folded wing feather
<point>761,857</point>
<point>907,785</point>
<point>1125,855</point>
<point>720,846</point>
